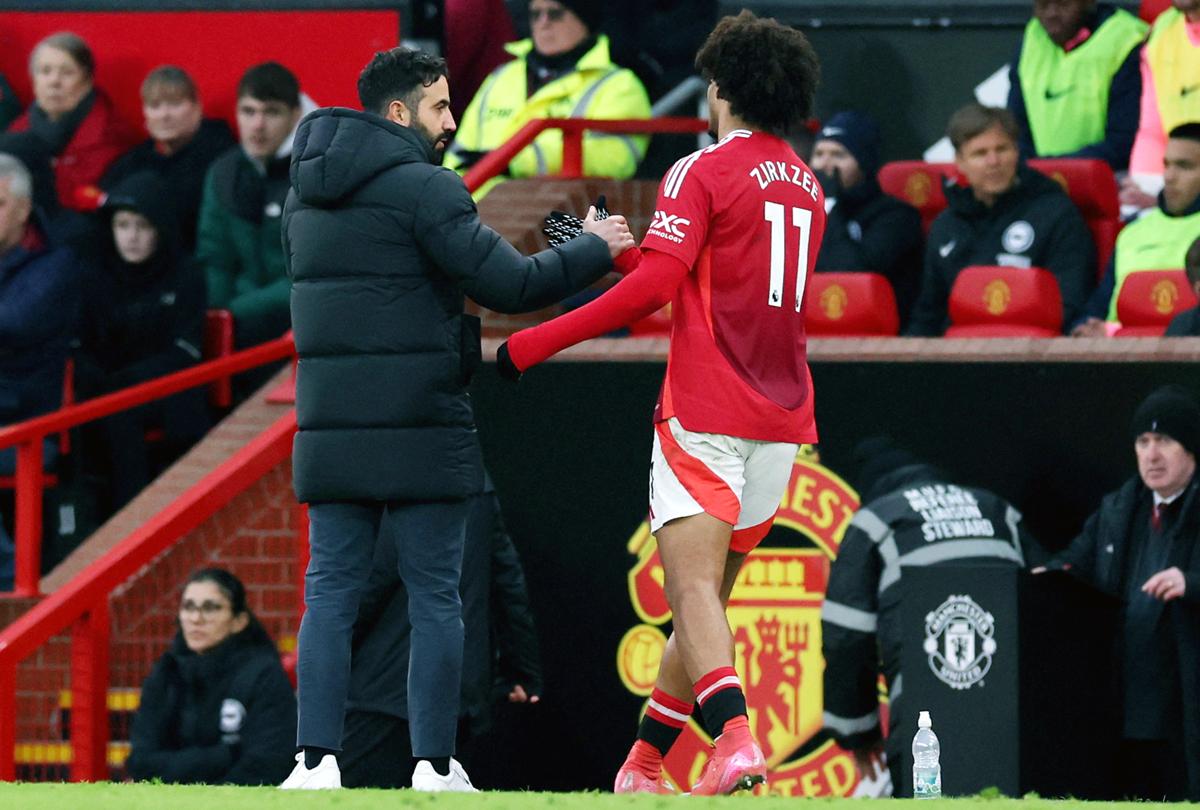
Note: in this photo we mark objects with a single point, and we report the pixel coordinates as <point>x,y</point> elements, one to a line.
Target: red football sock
<point>645,758</point>
<point>734,735</point>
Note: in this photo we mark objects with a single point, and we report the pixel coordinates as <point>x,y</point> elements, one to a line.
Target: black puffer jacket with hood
<point>381,245</point>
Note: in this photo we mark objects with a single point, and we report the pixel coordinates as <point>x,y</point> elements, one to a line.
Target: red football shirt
<point>736,231</point>
<point>747,216</point>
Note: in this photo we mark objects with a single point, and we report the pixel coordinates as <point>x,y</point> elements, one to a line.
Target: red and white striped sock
<point>665,717</point>
<point>720,696</point>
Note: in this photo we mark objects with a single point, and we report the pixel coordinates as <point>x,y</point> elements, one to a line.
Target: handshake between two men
<point>561,227</point>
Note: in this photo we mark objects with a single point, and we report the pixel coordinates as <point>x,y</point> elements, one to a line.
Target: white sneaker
<point>427,779</point>
<point>326,776</point>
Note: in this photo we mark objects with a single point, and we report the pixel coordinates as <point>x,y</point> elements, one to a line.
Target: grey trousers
<point>429,541</point>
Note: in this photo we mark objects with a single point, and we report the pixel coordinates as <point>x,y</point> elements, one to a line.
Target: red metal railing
<point>82,604</point>
<point>28,437</point>
<point>495,162</point>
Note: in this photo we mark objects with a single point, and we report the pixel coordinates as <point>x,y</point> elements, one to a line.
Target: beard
<point>437,140</point>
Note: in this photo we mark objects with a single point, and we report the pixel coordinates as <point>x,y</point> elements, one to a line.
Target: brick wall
<point>254,536</point>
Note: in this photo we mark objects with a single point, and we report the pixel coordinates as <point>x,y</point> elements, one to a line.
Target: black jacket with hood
<point>144,320</point>
<point>1033,224</point>
<point>225,717</point>
<point>381,245</point>
<point>911,517</point>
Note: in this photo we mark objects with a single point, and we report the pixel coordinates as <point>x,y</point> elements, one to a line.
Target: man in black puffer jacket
<point>1008,214</point>
<point>381,245</point>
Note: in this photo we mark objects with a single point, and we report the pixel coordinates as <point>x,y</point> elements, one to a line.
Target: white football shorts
<point>738,481</point>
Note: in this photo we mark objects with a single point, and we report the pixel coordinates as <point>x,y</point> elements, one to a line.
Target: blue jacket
<point>39,310</point>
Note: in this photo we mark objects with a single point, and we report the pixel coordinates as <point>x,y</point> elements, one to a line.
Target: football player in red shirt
<point>736,232</point>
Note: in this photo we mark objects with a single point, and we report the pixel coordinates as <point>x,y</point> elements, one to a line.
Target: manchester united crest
<point>775,615</point>
<point>959,642</point>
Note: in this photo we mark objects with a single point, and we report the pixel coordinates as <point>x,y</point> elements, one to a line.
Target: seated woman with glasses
<point>217,707</point>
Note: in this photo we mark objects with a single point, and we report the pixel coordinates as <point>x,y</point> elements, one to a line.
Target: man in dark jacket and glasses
<point>381,245</point>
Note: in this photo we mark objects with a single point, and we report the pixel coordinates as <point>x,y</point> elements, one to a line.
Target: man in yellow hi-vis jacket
<point>563,71</point>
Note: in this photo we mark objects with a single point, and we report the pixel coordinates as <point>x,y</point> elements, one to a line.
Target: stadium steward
<point>500,652</point>
<point>908,505</point>
<point>563,71</point>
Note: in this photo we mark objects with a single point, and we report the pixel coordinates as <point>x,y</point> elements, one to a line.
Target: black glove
<point>508,369</point>
<point>562,227</point>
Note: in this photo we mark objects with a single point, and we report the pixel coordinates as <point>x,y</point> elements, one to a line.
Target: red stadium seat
<point>1149,299</point>
<point>919,184</point>
<point>850,305</point>
<point>1089,183</point>
<point>1092,186</point>
<point>1005,302</point>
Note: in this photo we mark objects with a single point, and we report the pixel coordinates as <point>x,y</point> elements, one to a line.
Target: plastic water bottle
<point>927,773</point>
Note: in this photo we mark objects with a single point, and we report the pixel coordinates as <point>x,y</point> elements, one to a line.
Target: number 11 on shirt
<point>774,213</point>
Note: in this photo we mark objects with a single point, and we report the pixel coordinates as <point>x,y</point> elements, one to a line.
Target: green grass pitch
<point>107,796</point>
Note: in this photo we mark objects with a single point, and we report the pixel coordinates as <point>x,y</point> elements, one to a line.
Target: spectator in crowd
<point>217,708</point>
<point>867,230</point>
<point>1160,239</point>
<point>10,105</point>
<point>1140,546</point>
<point>76,120</point>
<point>1170,96</point>
<point>1008,214</point>
<point>39,309</point>
<point>563,71</point>
<point>1187,324</point>
<point>238,236</point>
<point>181,147</point>
<point>500,652</point>
<point>144,319</point>
<point>73,229</point>
<point>1075,84</point>
<point>903,501</point>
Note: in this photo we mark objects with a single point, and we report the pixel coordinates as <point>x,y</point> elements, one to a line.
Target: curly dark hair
<point>397,75</point>
<point>767,71</point>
